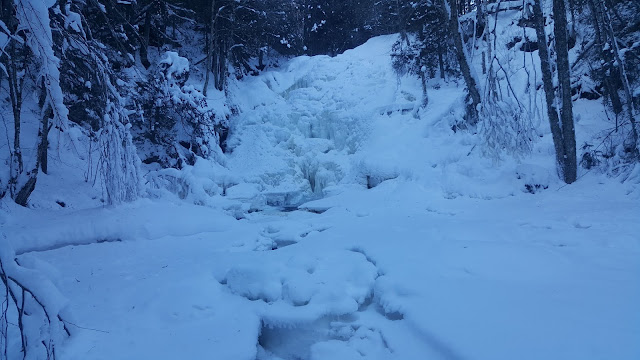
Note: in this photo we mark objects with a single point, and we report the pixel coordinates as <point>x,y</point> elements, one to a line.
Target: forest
<point>314,179</point>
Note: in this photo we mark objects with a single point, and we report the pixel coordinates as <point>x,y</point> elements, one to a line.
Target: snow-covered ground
<point>404,241</point>
<point>396,272</point>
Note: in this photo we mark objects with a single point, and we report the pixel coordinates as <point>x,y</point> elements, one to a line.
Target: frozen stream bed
<point>396,272</point>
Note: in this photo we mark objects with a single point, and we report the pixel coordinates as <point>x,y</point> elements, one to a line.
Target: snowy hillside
<point>352,224</point>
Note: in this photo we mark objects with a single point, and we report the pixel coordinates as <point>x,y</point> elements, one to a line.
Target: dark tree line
<point>105,65</point>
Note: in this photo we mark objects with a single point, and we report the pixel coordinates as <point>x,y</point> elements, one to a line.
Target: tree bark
<point>547,81</point>
<point>623,78</point>
<point>43,147</point>
<point>611,91</point>
<point>564,89</point>
<point>472,87</point>
<point>144,47</point>
<point>425,94</point>
<point>22,197</point>
<point>441,63</point>
<point>209,62</point>
<point>15,96</point>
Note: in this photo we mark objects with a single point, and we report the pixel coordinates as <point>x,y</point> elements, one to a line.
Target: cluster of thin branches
<point>26,313</point>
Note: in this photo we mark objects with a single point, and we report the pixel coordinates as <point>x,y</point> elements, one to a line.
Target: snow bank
<point>143,219</point>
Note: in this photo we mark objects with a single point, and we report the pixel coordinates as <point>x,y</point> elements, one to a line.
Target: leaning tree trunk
<point>22,197</point>
<point>472,87</point>
<point>564,87</point>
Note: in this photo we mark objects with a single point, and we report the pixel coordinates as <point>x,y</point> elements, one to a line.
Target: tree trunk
<point>611,91</point>
<point>22,197</point>
<point>547,81</point>
<point>230,46</point>
<point>144,47</point>
<point>43,147</point>
<point>564,87</point>
<point>15,93</point>
<point>441,63</point>
<point>209,62</point>
<point>220,64</point>
<point>472,87</point>
<point>623,78</point>
<point>15,96</point>
<point>425,95</point>
<point>400,24</point>
<point>481,22</point>
<point>261,59</point>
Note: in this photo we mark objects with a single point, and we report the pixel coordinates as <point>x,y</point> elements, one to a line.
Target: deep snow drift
<point>409,244</point>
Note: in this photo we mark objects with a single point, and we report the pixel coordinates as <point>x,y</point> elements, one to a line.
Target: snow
<point>346,223</point>
<point>385,273</point>
<point>176,64</point>
<point>33,17</point>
